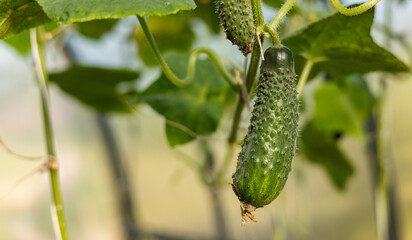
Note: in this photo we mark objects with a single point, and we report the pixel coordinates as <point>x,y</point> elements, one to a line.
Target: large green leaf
<point>95,87</point>
<point>85,10</point>
<point>197,106</point>
<point>19,15</point>
<point>21,41</point>
<point>322,149</point>
<point>362,100</point>
<point>96,28</point>
<point>334,112</point>
<point>170,32</point>
<point>343,46</point>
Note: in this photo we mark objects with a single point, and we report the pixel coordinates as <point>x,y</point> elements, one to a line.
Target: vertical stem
<point>220,222</point>
<point>250,78</point>
<point>257,13</point>
<point>37,42</point>
<point>304,76</point>
<point>381,163</point>
<point>130,225</point>
<point>282,13</point>
<point>208,172</point>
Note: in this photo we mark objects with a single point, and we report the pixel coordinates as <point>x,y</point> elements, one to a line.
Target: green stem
<point>192,62</point>
<point>125,201</point>
<point>382,167</point>
<point>355,10</point>
<point>282,13</point>
<point>275,37</point>
<point>208,169</point>
<point>250,78</point>
<point>257,13</point>
<point>37,42</point>
<point>304,76</point>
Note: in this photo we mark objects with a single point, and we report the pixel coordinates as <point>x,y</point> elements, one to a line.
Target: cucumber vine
<point>193,105</point>
<point>38,42</point>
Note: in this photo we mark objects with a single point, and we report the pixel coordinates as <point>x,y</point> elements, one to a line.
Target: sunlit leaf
<point>343,46</point>
<point>85,10</point>
<point>19,15</point>
<point>21,41</point>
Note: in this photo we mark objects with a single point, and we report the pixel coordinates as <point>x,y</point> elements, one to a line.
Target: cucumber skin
<point>237,21</point>
<point>265,159</point>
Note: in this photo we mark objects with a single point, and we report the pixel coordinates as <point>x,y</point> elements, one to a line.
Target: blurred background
<point>168,197</point>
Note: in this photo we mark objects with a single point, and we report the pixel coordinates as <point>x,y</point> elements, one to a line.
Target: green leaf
<point>95,87</point>
<point>21,41</point>
<point>96,28</point>
<point>170,32</point>
<point>206,10</point>
<point>343,46</point>
<point>198,106</point>
<point>334,112</point>
<point>357,91</point>
<point>274,3</point>
<point>19,15</point>
<point>323,150</point>
<point>85,10</point>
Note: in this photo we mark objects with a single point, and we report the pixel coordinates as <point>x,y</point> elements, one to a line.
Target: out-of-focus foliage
<point>95,29</point>
<point>323,149</point>
<point>198,106</point>
<point>96,87</point>
<point>170,32</point>
<point>338,109</point>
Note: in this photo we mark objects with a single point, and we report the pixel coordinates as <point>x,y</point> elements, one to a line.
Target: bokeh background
<point>168,196</point>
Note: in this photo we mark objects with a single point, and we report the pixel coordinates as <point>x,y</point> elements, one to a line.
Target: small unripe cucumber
<point>237,21</point>
<point>268,148</point>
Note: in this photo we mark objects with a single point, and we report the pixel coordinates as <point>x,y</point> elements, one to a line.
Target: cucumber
<point>268,148</point>
<point>237,21</point>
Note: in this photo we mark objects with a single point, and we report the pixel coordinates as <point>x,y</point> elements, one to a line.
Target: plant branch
<point>355,10</point>
<point>130,225</point>
<point>304,76</point>
<point>192,61</point>
<point>272,32</point>
<point>37,42</point>
<point>250,78</point>
<point>282,13</point>
<point>383,174</point>
<point>257,13</point>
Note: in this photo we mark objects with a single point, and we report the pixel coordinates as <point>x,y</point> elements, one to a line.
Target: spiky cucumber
<point>237,21</point>
<point>265,159</point>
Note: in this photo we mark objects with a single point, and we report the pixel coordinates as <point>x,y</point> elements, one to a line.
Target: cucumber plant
<point>193,95</point>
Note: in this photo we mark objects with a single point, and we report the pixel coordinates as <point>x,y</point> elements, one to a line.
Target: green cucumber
<point>237,21</point>
<point>268,148</point>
